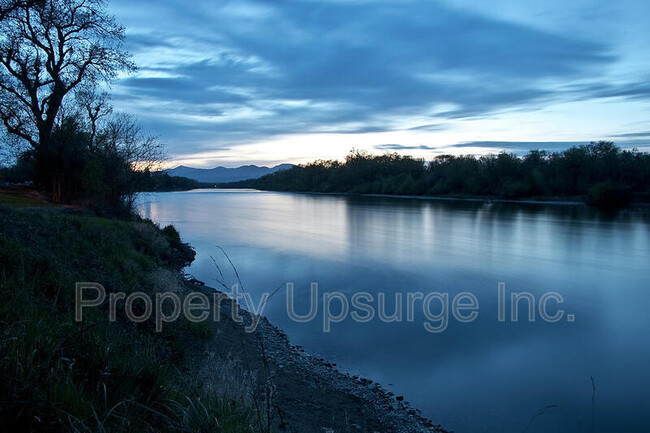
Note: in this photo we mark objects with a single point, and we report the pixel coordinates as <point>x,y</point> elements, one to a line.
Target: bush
<point>608,195</point>
<point>96,169</point>
<point>172,234</point>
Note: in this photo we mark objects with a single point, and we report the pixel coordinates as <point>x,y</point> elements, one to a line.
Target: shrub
<point>172,234</point>
<point>608,195</point>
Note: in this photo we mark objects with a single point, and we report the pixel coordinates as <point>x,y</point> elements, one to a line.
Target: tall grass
<point>94,376</point>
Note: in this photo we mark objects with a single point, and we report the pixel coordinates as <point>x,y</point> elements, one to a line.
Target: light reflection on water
<point>482,376</point>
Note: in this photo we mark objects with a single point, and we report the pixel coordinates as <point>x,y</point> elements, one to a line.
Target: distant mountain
<point>224,174</point>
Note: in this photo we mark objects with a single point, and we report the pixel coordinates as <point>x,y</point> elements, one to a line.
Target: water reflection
<point>483,376</point>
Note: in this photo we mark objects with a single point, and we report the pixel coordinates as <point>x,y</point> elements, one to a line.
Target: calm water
<point>484,376</point>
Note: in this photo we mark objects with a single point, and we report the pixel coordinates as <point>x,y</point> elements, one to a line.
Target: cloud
<point>401,147</point>
<point>522,147</point>
<point>245,71</point>
<point>628,90</point>
<point>643,134</point>
<point>428,127</point>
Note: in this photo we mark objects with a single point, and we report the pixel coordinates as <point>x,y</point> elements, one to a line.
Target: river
<point>488,374</point>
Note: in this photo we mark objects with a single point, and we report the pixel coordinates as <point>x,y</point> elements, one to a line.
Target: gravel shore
<point>298,392</point>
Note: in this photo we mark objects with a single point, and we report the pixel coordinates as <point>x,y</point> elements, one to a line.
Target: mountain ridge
<point>222,174</point>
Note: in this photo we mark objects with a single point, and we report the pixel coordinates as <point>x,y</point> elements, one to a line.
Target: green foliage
<point>159,181</point>
<point>75,171</point>
<point>600,173</point>
<point>95,165</point>
<point>172,234</point>
<point>60,375</point>
<point>608,195</point>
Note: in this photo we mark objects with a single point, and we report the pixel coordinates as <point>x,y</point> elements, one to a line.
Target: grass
<point>60,375</point>
<point>22,199</point>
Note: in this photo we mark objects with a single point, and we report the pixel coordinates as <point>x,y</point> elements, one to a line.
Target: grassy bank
<point>60,375</point>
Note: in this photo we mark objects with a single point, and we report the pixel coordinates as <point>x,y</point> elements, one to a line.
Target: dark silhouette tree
<point>48,49</point>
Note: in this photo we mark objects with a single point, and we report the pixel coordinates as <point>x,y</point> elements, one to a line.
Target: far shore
<point>558,201</point>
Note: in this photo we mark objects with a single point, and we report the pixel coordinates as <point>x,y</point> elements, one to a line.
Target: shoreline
<point>443,198</point>
<point>475,199</point>
<point>312,393</point>
<point>557,201</point>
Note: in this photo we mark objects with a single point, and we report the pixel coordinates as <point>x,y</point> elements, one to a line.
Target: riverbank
<point>562,201</point>
<point>308,393</point>
<point>102,375</point>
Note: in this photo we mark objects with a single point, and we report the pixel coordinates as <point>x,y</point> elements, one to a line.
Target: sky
<point>274,81</point>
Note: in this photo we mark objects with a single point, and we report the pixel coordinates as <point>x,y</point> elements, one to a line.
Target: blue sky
<point>265,82</point>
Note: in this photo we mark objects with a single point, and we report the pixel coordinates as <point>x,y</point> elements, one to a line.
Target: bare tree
<point>48,48</point>
<point>141,152</point>
<point>116,132</point>
<point>122,134</point>
<point>95,107</point>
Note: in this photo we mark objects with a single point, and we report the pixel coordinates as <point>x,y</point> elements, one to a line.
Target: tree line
<point>148,181</point>
<point>600,173</point>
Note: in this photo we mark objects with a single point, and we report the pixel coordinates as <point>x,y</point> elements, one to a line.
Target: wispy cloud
<point>643,134</point>
<point>521,147</point>
<point>402,147</point>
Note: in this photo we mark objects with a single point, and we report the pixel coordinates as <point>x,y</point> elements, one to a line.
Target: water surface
<point>483,376</point>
